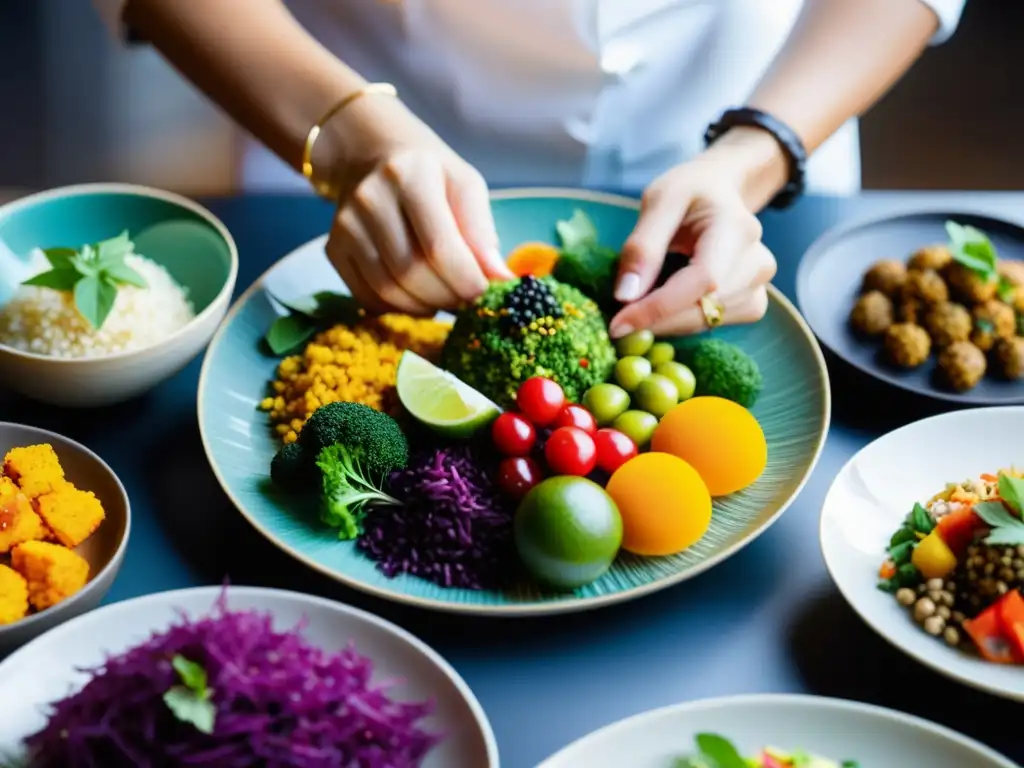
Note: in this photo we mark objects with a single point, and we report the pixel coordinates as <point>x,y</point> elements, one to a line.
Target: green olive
<point>657,395</point>
<point>638,426</point>
<point>630,371</point>
<point>662,352</point>
<point>679,375</point>
<point>605,402</point>
<point>636,343</point>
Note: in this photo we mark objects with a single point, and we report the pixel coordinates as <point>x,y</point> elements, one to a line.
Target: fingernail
<point>618,330</point>
<point>628,288</point>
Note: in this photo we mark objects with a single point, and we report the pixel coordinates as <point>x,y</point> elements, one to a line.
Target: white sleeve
<point>111,12</point>
<point>949,12</point>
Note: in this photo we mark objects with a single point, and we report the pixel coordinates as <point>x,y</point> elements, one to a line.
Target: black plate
<point>829,277</point>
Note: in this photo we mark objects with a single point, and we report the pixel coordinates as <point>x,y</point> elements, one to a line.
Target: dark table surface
<point>767,620</point>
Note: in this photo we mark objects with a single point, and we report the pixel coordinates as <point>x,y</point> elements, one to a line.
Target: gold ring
<point>713,310</point>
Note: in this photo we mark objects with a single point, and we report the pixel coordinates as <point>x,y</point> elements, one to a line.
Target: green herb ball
<point>724,370</point>
<point>488,350</point>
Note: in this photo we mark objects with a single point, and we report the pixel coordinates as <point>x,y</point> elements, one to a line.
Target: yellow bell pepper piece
<point>933,558</point>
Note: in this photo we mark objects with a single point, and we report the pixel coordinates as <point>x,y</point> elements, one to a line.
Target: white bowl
<point>47,669</point>
<point>830,728</point>
<point>202,256</point>
<point>872,495</point>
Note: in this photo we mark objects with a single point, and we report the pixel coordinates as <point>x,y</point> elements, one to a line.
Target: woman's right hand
<point>413,231</point>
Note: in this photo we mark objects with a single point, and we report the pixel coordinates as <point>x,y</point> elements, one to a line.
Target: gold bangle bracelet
<point>323,188</point>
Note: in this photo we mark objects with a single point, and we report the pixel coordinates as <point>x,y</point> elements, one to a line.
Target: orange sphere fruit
<point>719,438</point>
<point>664,505</point>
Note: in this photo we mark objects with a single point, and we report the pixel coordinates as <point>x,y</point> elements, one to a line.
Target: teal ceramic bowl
<point>186,239</point>
<point>793,410</point>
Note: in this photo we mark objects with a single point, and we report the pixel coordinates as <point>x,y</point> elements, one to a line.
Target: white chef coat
<point>604,93</point>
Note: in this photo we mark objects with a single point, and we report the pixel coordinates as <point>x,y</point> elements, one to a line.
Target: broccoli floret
<point>291,468</point>
<point>348,489</point>
<point>375,436</point>
<point>724,370</point>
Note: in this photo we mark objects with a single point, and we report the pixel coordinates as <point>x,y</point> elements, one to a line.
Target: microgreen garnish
<point>92,274</point>
<point>307,316</point>
<point>190,701</point>
<point>972,248</point>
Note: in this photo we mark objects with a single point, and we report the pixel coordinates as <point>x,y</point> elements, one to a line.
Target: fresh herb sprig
<point>190,701</point>
<point>1004,517</point>
<point>92,274</point>
<point>714,751</point>
<point>306,317</point>
<point>973,249</point>
<point>917,524</point>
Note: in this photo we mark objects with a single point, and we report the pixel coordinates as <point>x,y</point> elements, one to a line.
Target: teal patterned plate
<point>793,410</point>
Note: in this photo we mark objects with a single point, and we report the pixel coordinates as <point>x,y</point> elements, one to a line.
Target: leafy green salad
<point>714,751</point>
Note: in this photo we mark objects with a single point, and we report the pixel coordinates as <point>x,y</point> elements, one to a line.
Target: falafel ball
<point>930,257</point>
<point>992,320</point>
<point>886,276</point>
<point>948,323</point>
<point>967,285</point>
<point>962,365</point>
<point>926,285</point>
<point>1012,272</point>
<point>907,345</point>
<point>872,314</point>
<point>1008,355</point>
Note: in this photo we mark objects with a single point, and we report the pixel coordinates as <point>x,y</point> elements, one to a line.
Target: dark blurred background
<point>74,107</point>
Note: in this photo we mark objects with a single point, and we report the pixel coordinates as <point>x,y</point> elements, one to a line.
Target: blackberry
<point>529,301</point>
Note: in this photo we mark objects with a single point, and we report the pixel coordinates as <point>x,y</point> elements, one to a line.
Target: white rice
<point>46,322</point>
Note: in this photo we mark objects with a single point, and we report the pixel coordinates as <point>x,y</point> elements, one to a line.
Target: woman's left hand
<point>699,208</point>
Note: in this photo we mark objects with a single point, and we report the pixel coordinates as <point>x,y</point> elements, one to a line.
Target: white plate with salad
<point>923,534</point>
<point>775,731</point>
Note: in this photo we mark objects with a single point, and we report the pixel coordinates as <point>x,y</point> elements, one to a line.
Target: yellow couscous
<point>344,363</point>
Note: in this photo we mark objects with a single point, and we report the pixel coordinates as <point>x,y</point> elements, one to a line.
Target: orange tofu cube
<point>72,515</point>
<point>18,521</point>
<point>35,468</point>
<point>13,596</point>
<point>53,572</point>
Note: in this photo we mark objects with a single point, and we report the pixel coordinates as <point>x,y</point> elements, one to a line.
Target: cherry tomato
<point>570,451</point>
<point>574,415</point>
<point>613,449</point>
<point>540,400</point>
<point>512,434</point>
<point>517,475</point>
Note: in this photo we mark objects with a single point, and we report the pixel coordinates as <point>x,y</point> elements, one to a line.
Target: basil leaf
<point>60,258</point>
<point>995,514</point>
<point>1011,489</point>
<point>307,306</point>
<point>907,575</point>
<point>720,750</point>
<point>576,231</point>
<point>114,249</point>
<point>921,520</point>
<point>94,299</point>
<point>906,533</point>
<point>336,308</point>
<point>191,708</point>
<point>901,553</point>
<point>123,274</point>
<point>62,279</point>
<point>1008,536</point>
<point>288,332</point>
<point>192,674</point>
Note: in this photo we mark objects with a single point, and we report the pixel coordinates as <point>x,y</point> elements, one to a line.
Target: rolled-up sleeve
<point>948,12</point>
<point>111,11</point>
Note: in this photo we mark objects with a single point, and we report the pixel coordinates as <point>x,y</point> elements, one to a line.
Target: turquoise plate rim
<point>569,604</point>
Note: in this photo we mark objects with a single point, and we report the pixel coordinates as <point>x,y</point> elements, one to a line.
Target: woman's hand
<point>702,208</point>
<point>413,231</point>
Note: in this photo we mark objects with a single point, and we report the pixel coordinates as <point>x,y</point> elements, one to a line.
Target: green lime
<point>662,352</point>
<point>636,343</point>
<point>679,375</point>
<point>567,531</point>
<point>657,394</point>
<point>439,400</point>
<point>630,371</point>
<point>605,402</point>
<point>638,426</point>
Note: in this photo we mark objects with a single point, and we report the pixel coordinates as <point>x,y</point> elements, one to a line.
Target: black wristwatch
<point>792,147</point>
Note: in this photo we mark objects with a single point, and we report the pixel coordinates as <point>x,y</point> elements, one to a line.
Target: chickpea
<point>952,636</point>
<point>934,585</point>
<point>906,597</point>
<point>924,609</point>
<point>934,625</point>
<point>948,599</point>
<point>944,612</point>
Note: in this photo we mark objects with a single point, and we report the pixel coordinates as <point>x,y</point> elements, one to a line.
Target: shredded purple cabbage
<point>280,702</point>
<point>454,527</point>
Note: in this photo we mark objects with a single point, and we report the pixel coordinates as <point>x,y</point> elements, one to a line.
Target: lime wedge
<point>439,400</point>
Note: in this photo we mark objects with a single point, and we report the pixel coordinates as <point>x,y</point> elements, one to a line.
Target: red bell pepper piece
<point>958,529</point>
<point>1011,615</point>
<point>993,642</point>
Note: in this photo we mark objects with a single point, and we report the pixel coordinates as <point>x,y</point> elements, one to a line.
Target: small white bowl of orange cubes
<point>64,527</point>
